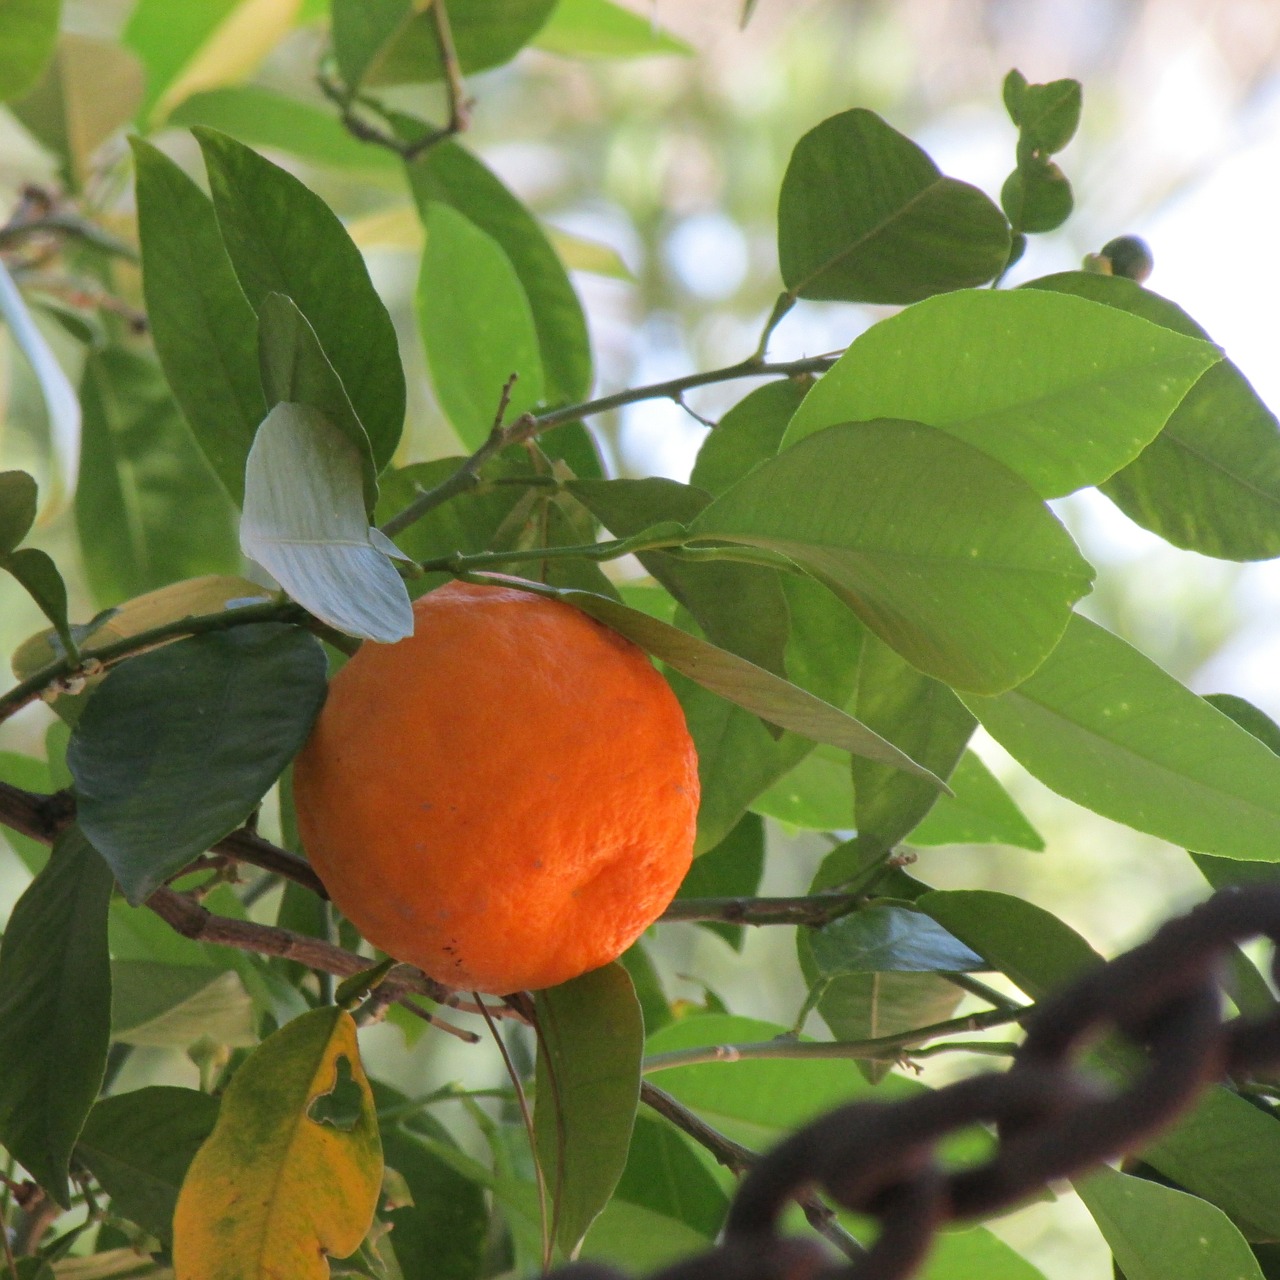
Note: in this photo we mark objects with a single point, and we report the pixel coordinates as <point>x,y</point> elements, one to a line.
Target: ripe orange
<point>506,798</point>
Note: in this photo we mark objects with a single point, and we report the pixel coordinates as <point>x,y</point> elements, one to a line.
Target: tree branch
<point>528,426</point>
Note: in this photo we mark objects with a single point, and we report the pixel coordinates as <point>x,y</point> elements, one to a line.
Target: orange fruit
<point>506,798</point>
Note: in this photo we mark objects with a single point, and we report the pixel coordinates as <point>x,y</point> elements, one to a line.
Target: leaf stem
<point>816,910</point>
<point>880,1049</point>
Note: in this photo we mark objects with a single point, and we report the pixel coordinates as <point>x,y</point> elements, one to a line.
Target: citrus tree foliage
<point>863,568</point>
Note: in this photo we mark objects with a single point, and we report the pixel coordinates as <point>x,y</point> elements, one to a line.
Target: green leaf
<point>148,509</point>
<point>1061,391</point>
<point>55,1007</point>
<point>738,757</point>
<point>1037,196</point>
<point>477,326</point>
<point>295,368</point>
<point>449,174</point>
<point>817,794</point>
<point>261,117</point>
<point>883,939</point>
<point>922,717</point>
<point>39,575</point>
<point>1210,481</point>
<point>394,41</point>
<point>305,523</point>
<point>947,555</point>
<point>172,1006</point>
<point>600,29</point>
<point>201,44</point>
<point>976,1254</point>
<point>62,408</point>
<point>591,1035</point>
<point>28,33</point>
<point>732,869</point>
<point>443,1232</point>
<point>978,811</point>
<point>866,216</point>
<point>282,238</point>
<point>178,745</point>
<point>1103,725</point>
<point>739,607</point>
<point>17,508</point>
<point>1047,115</point>
<point>138,1146</point>
<point>206,338</point>
<point>1159,1233</point>
<point>758,691</point>
<point>749,434</point>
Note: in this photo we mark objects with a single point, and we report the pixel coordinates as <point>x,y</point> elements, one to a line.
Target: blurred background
<point>660,174</point>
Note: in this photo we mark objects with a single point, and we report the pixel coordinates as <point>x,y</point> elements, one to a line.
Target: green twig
<point>880,1049</point>
<point>816,910</point>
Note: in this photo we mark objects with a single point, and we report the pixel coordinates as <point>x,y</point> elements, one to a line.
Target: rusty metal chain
<point>1053,1117</point>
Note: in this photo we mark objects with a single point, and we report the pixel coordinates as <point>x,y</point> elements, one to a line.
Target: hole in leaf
<point>340,1106</point>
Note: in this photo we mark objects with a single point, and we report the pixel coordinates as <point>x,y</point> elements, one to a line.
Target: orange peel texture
<point>505,799</point>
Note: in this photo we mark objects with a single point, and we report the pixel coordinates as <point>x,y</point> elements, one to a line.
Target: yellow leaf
<point>293,1168</point>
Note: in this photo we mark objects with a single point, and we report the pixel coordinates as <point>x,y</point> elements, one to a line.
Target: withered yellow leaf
<point>292,1170</point>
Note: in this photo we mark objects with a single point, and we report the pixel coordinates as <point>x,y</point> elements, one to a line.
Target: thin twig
<point>880,1049</point>
<point>528,426</point>
<point>455,89</point>
<point>738,1159</point>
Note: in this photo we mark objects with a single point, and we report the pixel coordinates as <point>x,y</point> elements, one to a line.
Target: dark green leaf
<point>866,216</point>
<point>739,607</point>
<point>28,33</point>
<point>138,1145</point>
<point>148,509</point>
<point>1210,481</point>
<point>600,29</point>
<point>206,338</point>
<point>282,238</point>
<point>55,1007</point>
<point>730,870</point>
<point>947,555</point>
<point>395,42</point>
<point>261,117</point>
<point>17,508</point>
<point>922,717</point>
<point>449,174</point>
<point>178,745</point>
<point>1106,727</point>
<point>749,434</point>
<point>881,939</point>
<point>305,522</point>
<point>477,326</point>
<point>979,811</point>
<point>1047,115</point>
<point>663,1174</point>
<point>443,1232</point>
<point>1062,392</point>
<point>591,1036</point>
<point>766,695</point>
<point>39,575</point>
<point>295,368</point>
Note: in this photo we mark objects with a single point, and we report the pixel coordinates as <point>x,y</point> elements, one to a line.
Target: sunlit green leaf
<point>600,29</point>
<point>947,555</point>
<point>749,434</point>
<point>1060,390</point>
<point>28,32</point>
<point>979,811</point>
